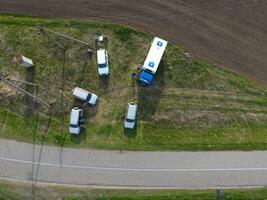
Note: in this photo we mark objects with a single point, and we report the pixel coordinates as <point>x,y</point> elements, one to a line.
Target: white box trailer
<point>152,61</point>
<point>23,61</point>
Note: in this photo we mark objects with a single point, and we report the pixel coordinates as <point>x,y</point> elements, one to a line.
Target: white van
<point>85,96</point>
<point>130,117</point>
<point>102,62</point>
<point>76,119</point>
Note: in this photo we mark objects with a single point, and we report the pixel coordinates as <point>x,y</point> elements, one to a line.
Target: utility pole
<point>63,49</point>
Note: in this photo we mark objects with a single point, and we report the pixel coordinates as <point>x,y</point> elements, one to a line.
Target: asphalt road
<point>231,33</point>
<point>132,169</point>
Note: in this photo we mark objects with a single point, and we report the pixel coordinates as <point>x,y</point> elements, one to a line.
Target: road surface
<point>231,33</point>
<point>29,162</point>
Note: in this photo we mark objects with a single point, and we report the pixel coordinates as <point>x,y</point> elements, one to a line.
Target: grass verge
<point>20,191</point>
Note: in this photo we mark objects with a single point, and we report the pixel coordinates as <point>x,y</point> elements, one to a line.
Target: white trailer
<point>155,54</point>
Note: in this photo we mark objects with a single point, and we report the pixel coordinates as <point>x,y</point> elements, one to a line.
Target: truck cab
<point>145,78</point>
<point>76,120</point>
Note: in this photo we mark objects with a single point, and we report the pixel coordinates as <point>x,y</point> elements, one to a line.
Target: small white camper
<point>23,61</point>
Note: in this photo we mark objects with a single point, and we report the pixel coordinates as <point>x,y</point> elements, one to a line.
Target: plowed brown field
<point>231,33</point>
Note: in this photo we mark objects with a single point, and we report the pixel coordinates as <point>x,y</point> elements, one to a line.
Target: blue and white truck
<point>152,61</point>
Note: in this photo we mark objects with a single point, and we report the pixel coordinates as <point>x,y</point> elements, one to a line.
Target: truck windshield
<point>144,82</point>
<point>88,97</point>
<point>102,65</point>
<point>129,120</point>
<point>74,125</point>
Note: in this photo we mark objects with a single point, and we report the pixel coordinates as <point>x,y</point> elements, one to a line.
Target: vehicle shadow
<point>148,98</point>
<point>77,139</point>
<point>104,83</point>
<point>89,111</point>
<point>131,133</point>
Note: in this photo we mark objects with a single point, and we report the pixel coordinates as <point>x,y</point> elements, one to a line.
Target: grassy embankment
<point>193,105</point>
<point>21,191</point>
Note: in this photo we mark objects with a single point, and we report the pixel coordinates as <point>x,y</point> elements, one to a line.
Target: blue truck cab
<point>145,78</point>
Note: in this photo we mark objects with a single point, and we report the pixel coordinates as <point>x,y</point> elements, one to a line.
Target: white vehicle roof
<point>155,54</point>
<point>131,114</point>
<point>80,93</point>
<point>101,58</point>
<point>74,116</point>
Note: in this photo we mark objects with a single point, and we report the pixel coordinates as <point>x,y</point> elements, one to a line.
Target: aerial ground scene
<point>200,124</point>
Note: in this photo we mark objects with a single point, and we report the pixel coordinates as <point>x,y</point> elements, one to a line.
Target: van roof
<point>74,116</point>
<point>131,111</point>
<point>101,58</point>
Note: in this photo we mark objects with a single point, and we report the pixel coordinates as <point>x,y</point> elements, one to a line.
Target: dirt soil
<point>230,33</point>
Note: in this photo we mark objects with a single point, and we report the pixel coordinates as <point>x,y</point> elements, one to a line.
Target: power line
<point>23,82</point>
<point>25,92</point>
<point>41,30</point>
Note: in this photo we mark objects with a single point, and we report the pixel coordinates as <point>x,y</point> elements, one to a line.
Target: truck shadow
<point>104,83</point>
<point>148,98</point>
<point>130,133</point>
<point>77,139</point>
<point>89,111</point>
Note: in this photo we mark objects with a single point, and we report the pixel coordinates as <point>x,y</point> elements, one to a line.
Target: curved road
<point>231,33</point>
<point>132,169</point>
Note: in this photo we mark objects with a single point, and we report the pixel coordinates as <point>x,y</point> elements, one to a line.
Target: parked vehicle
<point>102,62</point>
<point>23,61</point>
<point>85,96</point>
<point>152,61</point>
<point>130,117</point>
<point>76,120</point>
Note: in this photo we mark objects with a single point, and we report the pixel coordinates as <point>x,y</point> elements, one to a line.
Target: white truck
<point>130,117</point>
<point>76,121</point>
<point>152,61</point>
<point>85,96</point>
<point>102,62</point>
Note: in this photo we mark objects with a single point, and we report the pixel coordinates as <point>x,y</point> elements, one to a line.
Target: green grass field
<point>25,191</point>
<point>193,105</point>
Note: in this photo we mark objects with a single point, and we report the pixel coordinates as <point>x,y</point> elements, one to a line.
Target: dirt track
<point>231,33</point>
